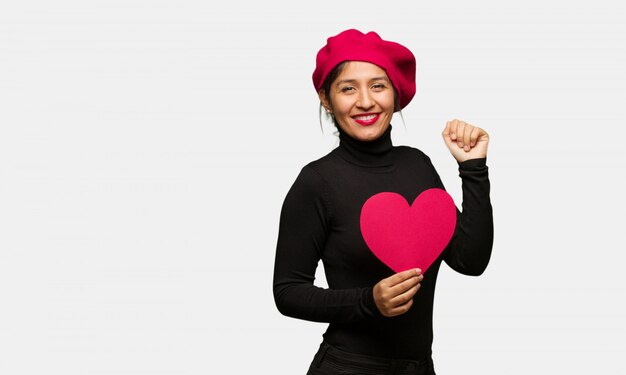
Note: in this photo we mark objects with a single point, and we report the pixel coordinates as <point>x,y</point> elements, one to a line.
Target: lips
<point>366,119</point>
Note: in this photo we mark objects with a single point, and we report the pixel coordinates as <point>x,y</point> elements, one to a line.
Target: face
<point>362,100</point>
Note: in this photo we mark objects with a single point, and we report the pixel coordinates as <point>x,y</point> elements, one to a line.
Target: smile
<point>366,119</point>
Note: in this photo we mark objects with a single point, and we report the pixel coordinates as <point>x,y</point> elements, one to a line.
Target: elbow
<point>282,307</point>
<point>477,268</point>
<point>477,271</point>
<point>294,302</point>
<point>282,302</point>
<point>473,267</point>
<point>476,264</point>
<point>279,302</point>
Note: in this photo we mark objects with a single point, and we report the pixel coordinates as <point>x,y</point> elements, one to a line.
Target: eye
<point>347,89</point>
<point>378,86</point>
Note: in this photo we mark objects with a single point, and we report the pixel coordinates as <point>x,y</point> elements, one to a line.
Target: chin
<point>365,133</point>
<point>369,134</point>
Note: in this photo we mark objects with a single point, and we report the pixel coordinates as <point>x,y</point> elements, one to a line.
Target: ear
<point>324,101</point>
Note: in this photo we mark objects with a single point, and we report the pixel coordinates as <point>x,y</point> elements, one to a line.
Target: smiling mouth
<point>366,119</point>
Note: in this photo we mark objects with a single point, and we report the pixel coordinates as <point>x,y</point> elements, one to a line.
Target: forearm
<point>469,250</point>
<point>309,302</point>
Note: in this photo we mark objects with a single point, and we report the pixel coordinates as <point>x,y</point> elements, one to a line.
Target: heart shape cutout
<point>404,236</point>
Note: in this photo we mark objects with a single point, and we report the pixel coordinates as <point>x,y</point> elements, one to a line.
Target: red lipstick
<point>366,119</point>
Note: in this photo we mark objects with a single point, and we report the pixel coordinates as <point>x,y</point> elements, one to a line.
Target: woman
<point>380,319</point>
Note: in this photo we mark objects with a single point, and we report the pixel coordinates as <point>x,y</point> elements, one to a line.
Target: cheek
<point>388,102</point>
<point>341,107</point>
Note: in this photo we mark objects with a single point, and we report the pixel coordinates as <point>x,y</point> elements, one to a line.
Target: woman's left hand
<point>465,141</point>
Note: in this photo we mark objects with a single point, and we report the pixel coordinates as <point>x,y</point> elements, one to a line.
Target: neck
<point>376,153</point>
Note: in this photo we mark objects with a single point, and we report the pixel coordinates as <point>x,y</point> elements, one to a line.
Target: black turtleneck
<point>376,153</point>
<point>320,221</point>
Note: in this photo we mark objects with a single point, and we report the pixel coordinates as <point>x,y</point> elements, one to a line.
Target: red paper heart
<point>404,236</point>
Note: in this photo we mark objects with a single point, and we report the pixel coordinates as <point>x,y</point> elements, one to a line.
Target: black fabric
<point>320,221</point>
<point>331,361</point>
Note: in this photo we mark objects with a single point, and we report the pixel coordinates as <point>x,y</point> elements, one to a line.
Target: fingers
<point>405,285</point>
<point>460,129</point>
<point>402,276</point>
<point>465,142</point>
<point>394,295</point>
<point>463,134</point>
<point>399,310</point>
<point>405,297</point>
<point>452,130</point>
<point>401,303</point>
<point>474,136</point>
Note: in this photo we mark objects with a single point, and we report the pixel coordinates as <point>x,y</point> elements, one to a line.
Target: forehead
<point>361,70</point>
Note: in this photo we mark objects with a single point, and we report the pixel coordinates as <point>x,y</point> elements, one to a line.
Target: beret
<point>352,45</point>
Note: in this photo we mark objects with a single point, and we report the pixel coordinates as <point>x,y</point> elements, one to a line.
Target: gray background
<point>146,148</point>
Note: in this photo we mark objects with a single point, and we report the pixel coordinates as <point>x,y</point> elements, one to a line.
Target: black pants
<point>332,361</point>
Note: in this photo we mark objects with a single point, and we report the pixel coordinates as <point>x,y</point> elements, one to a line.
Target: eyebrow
<point>381,78</point>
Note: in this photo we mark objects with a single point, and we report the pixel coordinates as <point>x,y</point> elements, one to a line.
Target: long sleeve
<point>470,248</point>
<point>303,230</point>
<point>320,221</point>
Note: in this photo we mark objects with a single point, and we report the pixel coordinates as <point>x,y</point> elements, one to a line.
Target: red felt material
<point>404,236</point>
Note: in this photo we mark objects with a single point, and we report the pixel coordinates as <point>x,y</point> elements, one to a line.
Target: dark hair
<point>331,77</point>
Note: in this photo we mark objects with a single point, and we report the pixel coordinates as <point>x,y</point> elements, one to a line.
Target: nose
<point>365,100</point>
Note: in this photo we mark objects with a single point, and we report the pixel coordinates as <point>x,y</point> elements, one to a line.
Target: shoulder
<point>313,175</point>
<point>309,191</point>
<point>412,154</point>
<point>324,166</point>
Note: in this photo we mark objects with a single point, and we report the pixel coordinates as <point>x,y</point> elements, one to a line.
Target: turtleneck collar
<point>376,153</point>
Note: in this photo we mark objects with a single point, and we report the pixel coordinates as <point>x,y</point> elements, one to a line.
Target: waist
<point>388,338</point>
<point>332,354</point>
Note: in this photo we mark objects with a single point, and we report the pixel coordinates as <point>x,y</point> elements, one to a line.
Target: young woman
<point>380,319</point>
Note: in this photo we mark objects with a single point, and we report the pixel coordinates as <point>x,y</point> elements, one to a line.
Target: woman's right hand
<point>394,295</point>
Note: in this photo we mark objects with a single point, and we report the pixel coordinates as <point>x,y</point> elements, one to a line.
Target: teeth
<point>365,118</point>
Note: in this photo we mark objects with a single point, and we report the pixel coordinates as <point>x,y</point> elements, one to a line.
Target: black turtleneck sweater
<point>320,220</point>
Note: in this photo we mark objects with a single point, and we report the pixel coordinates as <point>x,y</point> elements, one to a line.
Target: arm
<point>304,224</point>
<point>469,249</point>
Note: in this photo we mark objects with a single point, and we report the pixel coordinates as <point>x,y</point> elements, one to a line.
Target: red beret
<point>353,45</point>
